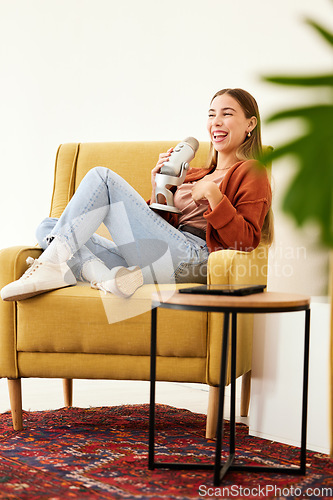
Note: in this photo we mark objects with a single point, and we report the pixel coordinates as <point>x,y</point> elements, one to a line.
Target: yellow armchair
<point>77,332</point>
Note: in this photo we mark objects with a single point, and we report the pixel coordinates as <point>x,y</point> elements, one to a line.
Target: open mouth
<point>219,136</point>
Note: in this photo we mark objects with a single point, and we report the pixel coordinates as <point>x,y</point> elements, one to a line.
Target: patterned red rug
<point>102,453</point>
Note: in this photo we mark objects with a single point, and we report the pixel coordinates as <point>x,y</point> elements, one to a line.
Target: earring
<point>249,134</point>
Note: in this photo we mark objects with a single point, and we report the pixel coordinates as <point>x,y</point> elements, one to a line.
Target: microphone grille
<point>193,143</point>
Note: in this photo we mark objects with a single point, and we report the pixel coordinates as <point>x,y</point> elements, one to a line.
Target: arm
<point>237,219</point>
<point>209,191</point>
<point>238,229</point>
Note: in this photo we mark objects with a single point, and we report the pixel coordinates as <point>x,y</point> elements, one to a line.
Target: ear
<point>252,123</point>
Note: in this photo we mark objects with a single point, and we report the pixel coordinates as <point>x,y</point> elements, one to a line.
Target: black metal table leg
<point>151,461</point>
<point>219,430</point>
<point>219,471</point>
<point>233,383</point>
<point>305,389</point>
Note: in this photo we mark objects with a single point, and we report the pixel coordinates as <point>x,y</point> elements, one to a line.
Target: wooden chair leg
<point>245,394</point>
<point>67,384</point>
<point>213,402</point>
<point>15,397</point>
<point>212,412</point>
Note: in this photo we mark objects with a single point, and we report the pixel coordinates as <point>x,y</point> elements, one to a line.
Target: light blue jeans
<point>140,236</point>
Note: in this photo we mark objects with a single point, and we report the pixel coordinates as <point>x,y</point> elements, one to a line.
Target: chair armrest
<point>12,266</point>
<point>232,267</point>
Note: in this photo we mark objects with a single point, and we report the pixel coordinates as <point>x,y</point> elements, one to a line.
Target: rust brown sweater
<point>237,220</point>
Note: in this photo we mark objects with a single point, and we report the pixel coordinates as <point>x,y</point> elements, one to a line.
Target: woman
<point>225,205</point>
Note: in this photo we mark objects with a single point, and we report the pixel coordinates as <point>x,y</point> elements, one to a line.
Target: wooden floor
<point>46,394</point>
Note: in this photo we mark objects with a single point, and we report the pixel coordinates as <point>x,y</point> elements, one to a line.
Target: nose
<point>218,120</point>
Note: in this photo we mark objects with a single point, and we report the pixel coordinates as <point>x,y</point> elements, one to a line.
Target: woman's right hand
<point>163,157</point>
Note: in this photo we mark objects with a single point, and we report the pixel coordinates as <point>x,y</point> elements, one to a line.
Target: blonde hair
<point>250,149</point>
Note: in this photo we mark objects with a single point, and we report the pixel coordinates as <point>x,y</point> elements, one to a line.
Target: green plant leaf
<point>295,147</point>
<point>309,196</point>
<point>321,113</point>
<point>322,31</point>
<point>302,81</point>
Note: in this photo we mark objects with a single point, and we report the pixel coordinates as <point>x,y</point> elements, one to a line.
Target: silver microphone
<point>184,152</point>
<point>173,173</point>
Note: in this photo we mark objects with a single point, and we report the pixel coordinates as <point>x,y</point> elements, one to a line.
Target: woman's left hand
<point>207,190</point>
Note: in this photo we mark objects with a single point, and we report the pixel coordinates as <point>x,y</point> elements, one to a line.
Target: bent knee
<point>44,229</point>
<point>101,171</point>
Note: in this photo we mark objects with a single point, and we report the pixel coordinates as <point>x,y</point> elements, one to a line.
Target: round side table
<point>268,302</point>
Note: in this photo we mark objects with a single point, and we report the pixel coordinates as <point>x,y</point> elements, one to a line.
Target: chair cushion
<point>82,320</point>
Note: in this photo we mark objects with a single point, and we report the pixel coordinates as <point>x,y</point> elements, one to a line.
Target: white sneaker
<point>40,277</point>
<point>125,281</point>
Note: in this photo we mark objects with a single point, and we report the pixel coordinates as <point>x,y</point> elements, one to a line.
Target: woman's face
<point>227,124</point>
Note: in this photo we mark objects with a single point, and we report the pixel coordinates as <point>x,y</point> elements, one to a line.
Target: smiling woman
<point>222,207</point>
<point>234,127</point>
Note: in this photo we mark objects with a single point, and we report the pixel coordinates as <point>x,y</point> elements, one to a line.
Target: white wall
<point>277,377</point>
<point>99,70</point>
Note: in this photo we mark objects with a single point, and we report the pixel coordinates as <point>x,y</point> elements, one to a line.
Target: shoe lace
<point>33,265</point>
<point>98,286</point>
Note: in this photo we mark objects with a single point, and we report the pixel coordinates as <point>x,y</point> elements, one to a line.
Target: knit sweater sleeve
<point>236,222</point>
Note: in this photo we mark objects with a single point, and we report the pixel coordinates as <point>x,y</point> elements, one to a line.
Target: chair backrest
<point>132,160</point>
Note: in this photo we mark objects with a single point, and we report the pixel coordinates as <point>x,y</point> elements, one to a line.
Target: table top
<point>258,301</point>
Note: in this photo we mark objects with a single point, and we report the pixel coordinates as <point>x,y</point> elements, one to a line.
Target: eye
<point>210,115</point>
<point>227,114</point>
